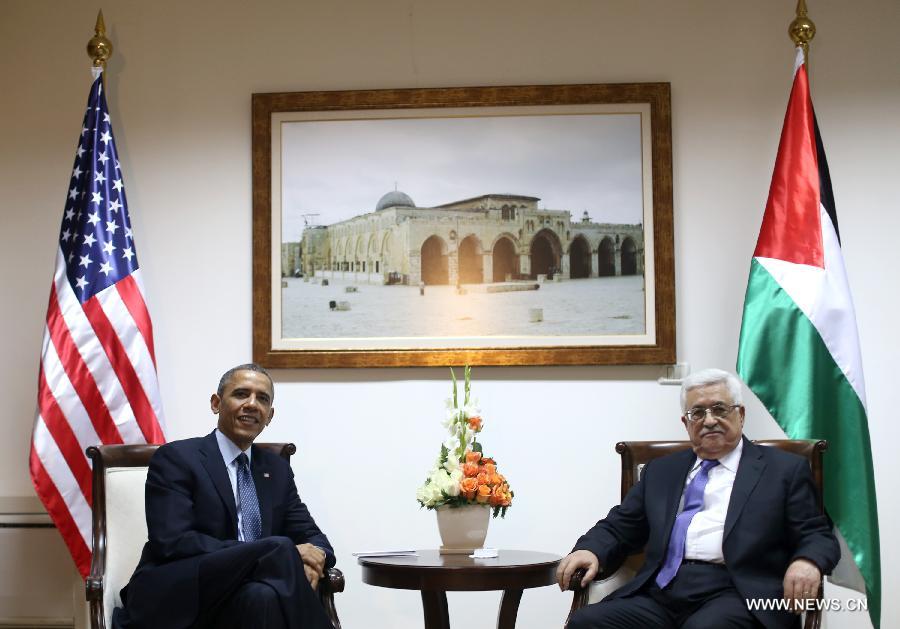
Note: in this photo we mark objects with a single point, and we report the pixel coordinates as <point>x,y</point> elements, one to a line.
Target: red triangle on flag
<point>791,228</point>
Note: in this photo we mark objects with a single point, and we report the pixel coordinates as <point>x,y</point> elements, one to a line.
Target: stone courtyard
<point>590,306</point>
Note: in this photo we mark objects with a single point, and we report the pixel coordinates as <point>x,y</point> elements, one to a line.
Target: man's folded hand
<point>572,562</point>
<point>312,556</point>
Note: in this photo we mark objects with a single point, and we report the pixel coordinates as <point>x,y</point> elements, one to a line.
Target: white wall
<point>179,85</point>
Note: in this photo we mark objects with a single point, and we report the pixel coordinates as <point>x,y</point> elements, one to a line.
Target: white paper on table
<point>405,552</point>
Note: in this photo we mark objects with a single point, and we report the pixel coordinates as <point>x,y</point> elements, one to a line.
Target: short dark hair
<point>226,377</point>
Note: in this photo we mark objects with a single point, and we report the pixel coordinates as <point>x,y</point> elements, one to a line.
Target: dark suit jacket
<point>772,519</point>
<point>191,512</point>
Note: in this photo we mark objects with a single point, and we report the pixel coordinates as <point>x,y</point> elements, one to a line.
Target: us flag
<point>97,381</point>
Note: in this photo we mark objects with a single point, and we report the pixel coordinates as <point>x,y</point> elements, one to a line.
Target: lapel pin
<point>265,475</point>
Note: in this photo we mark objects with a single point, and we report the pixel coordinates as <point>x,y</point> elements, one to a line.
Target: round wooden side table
<point>434,575</point>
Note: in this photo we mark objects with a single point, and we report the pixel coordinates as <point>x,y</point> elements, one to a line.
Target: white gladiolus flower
<point>449,418</point>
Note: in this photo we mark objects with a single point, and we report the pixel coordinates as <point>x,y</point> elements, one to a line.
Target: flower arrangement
<point>462,475</point>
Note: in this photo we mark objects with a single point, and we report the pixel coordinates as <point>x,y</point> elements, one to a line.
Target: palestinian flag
<point>799,348</point>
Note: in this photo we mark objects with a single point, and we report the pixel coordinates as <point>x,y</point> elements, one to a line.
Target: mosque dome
<point>394,198</point>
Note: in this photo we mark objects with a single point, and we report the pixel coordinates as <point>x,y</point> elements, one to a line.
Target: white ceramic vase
<point>463,528</point>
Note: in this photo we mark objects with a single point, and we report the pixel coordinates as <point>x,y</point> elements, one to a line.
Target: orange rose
<point>484,492</point>
<point>482,478</point>
<point>468,487</point>
<point>496,480</point>
<point>473,457</point>
<point>487,460</point>
<point>475,423</point>
<point>497,497</point>
<point>470,469</point>
<point>490,469</point>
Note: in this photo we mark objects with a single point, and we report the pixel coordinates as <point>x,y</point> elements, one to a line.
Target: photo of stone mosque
<point>487,239</point>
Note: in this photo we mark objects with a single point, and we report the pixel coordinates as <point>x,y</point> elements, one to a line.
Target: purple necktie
<point>693,502</point>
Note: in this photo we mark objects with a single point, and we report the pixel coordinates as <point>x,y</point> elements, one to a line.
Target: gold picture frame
<point>305,146</point>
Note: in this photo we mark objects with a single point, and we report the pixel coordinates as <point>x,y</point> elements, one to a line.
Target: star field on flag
<point>96,239</point>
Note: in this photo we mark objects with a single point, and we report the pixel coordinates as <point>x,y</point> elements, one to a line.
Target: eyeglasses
<point>719,411</point>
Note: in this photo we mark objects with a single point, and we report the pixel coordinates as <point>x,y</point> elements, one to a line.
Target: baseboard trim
<point>36,623</point>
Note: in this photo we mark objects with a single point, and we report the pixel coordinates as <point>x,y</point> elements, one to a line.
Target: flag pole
<point>802,30</point>
<point>99,48</point>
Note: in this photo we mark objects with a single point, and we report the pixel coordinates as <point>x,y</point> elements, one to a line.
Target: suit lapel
<point>675,487</point>
<point>263,482</point>
<point>749,472</point>
<point>212,461</point>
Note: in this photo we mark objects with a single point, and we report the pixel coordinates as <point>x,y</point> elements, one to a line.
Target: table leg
<point>509,608</point>
<point>434,604</point>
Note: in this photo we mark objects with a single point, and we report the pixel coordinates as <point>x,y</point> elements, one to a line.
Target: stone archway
<point>545,253</point>
<point>471,261</point>
<point>606,258</point>
<point>506,262</point>
<point>579,258</point>
<point>629,257</point>
<point>435,269</point>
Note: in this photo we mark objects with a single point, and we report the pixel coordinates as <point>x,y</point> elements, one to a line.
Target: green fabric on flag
<point>785,362</point>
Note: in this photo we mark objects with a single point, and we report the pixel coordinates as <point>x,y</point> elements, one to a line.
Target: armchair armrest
<point>328,586</point>
<point>605,583</point>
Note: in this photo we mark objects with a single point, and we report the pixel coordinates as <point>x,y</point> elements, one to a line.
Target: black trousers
<point>254,585</point>
<point>701,596</point>
<point>258,585</point>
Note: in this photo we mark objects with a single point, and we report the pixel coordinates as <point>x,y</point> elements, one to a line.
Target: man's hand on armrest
<point>313,557</point>
<point>311,575</point>
<point>801,581</point>
<point>578,559</point>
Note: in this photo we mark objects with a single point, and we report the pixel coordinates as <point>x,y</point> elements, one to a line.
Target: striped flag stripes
<point>97,381</point>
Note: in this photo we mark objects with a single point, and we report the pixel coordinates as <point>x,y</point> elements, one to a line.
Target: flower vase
<point>462,529</point>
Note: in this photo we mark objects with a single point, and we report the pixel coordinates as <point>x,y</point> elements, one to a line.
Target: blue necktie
<point>693,502</point>
<point>250,520</point>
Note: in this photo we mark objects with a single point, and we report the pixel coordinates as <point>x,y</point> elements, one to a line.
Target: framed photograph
<point>484,226</point>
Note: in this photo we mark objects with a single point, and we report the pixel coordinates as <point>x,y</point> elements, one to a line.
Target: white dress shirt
<point>230,453</point>
<point>704,533</point>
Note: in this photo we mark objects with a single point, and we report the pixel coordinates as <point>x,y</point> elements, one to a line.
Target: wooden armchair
<point>636,454</point>
<point>120,527</point>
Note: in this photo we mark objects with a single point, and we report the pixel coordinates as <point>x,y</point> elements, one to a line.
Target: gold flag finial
<point>802,29</point>
<point>99,48</point>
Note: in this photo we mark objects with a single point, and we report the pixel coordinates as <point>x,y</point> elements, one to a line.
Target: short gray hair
<point>226,377</point>
<point>708,377</point>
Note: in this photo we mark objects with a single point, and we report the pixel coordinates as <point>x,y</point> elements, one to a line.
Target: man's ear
<point>214,401</point>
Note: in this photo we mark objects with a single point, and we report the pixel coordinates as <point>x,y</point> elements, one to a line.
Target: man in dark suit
<point>231,546</point>
<point>722,523</point>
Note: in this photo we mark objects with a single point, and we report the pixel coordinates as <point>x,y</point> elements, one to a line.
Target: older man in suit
<point>720,524</point>
<point>231,546</point>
